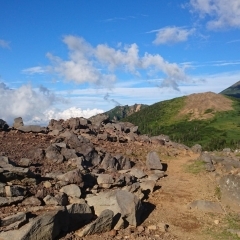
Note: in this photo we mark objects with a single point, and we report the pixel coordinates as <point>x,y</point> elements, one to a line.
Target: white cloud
<point>171,35</point>
<point>4,44</point>
<point>34,70</point>
<point>223,13</point>
<point>81,66</point>
<point>98,65</point>
<point>71,112</point>
<point>36,106</point>
<point>25,102</point>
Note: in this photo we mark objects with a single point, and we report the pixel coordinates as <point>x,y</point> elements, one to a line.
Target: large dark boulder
<point>3,125</point>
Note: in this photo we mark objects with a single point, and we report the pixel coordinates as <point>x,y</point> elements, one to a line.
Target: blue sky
<point>80,57</point>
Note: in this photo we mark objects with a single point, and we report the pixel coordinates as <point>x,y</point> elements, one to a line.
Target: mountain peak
<point>232,91</point>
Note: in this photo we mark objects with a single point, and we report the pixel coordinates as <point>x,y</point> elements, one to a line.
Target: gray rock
<point>119,201</point>
<point>148,185</point>
<point>79,215</point>
<point>227,150</point>
<point>229,163</point>
<point>130,207</point>
<point>154,176</point>
<point>15,191</point>
<point>2,190</point>
<point>73,176</point>
<point>153,161</point>
<point>84,122</point>
<point>230,191</point>
<point>54,132</point>
<point>55,125</point>
<point>134,129</point>
<point>132,188</point>
<point>53,153</point>
<point>32,201</point>
<point>12,173</point>
<point>209,167</point>
<point>50,200</point>
<point>71,190</point>
<point>109,162</point>
<point>7,201</point>
<point>60,144</point>
<point>59,199</point>
<point>206,206</point>
<point>13,218</point>
<point>197,148</point>
<point>24,162</point>
<point>32,128</point>
<point>206,157</point>
<point>99,119</point>
<point>105,180</point>
<point>77,162</point>
<point>18,122</point>
<point>124,162</point>
<point>102,224</point>
<point>102,136</point>
<point>4,162</point>
<point>46,227</point>
<point>138,173</point>
<point>68,153</point>
<point>3,125</point>
<point>16,225</point>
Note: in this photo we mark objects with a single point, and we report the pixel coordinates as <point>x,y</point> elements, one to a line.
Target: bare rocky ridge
<point>82,179</point>
<point>204,105</point>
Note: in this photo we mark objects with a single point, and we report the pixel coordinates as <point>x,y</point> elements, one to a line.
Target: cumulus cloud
<point>4,44</point>
<point>36,106</point>
<point>72,112</point>
<point>24,102</point>
<point>223,13</point>
<point>99,65</point>
<point>171,35</point>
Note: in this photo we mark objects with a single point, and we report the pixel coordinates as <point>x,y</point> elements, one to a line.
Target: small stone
<point>152,227</point>
<point>216,222</point>
<point>140,229</point>
<point>47,184</point>
<point>162,227</point>
<point>112,233</point>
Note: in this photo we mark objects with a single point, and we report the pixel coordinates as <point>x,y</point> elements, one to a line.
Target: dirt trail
<point>177,190</point>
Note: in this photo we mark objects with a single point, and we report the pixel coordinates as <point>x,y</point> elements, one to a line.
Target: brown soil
<point>199,105</point>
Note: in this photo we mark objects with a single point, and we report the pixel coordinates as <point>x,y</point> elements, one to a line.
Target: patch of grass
<point>195,167</point>
<point>231,221</point>
<point>218,193</point>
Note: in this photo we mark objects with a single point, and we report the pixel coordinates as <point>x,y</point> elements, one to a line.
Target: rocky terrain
<point>85,179</point>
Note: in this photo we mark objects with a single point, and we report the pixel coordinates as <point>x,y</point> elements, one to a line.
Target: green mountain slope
<point>232,91</point>
<point>214,127</point>
<point>121,112</point>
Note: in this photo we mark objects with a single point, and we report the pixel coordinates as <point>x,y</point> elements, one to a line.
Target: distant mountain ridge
<point>232,91</point>
<point>120,112</point>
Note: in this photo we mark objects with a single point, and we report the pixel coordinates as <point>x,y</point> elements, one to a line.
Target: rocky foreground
<point>78,178</point>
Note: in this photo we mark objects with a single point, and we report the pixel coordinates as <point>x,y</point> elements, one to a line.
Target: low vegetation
<point>216,133</point>
<point>230,222</point>
<point>195,167</point>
